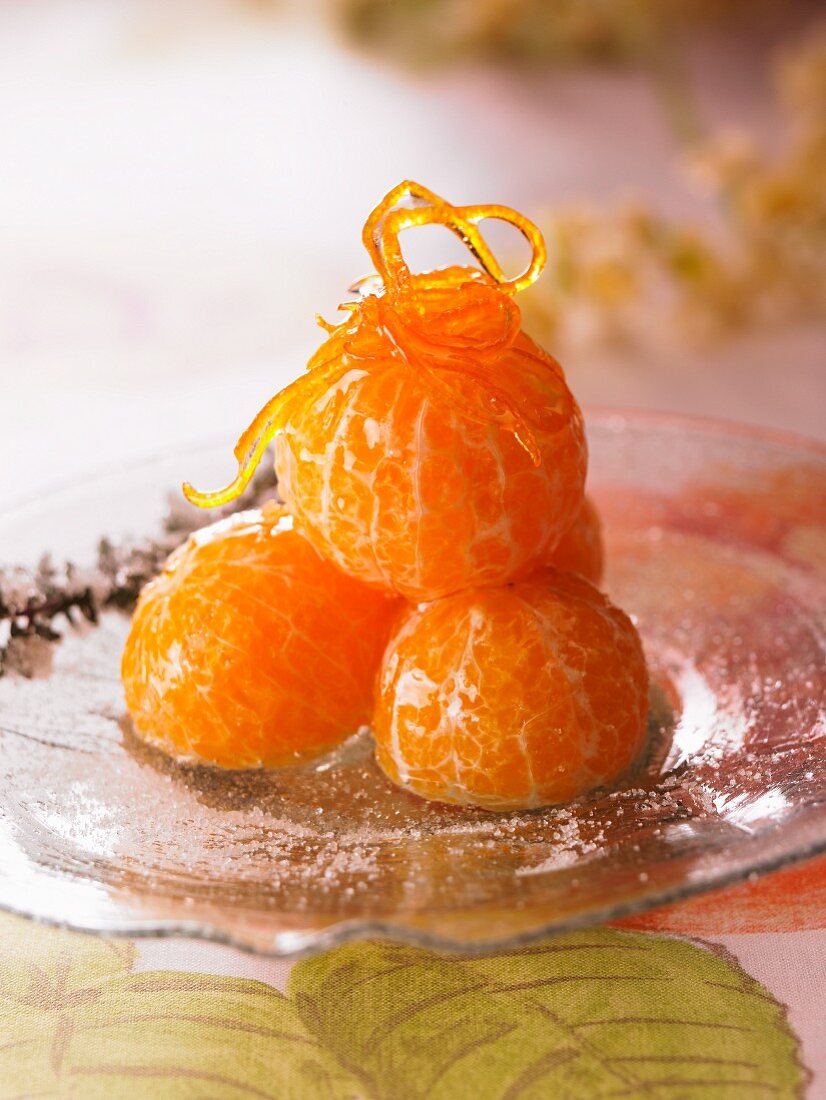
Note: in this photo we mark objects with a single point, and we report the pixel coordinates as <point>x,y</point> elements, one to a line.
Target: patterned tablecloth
<point>151,187</point>
<point>719,997</point>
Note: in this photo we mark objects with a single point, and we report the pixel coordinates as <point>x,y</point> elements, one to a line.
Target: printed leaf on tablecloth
<point>166,1035</point>
<point>76,1024</point>
<point>592,1014</point>
<point>46,979</point>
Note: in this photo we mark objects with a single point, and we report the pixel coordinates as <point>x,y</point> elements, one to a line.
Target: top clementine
<point>431,446</point>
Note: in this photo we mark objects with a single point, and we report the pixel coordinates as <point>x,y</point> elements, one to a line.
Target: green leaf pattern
<point>586,1016</point>
<point>592,1014</point>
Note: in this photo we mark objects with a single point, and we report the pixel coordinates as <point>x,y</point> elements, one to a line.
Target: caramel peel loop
<point>406,191</point>
<point>390,218</point>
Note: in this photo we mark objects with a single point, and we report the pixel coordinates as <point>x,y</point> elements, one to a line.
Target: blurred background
<point>183,185</point>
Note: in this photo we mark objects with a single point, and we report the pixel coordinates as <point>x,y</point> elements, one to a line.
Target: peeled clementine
<point>251,650</point>
<point>580,550</point>
<point>402,482</point>
<point>514,697</point>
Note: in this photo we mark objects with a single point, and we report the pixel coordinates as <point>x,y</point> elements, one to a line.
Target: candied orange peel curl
<point>450,326</point>
<point>409,204</point>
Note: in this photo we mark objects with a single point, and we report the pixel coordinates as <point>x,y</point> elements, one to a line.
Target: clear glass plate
<point>716,539</point>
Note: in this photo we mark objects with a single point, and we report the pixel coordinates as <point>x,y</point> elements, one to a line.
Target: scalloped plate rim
<point>297,945</point>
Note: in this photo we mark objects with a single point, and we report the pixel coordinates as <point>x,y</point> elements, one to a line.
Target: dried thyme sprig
<point>32,601</point>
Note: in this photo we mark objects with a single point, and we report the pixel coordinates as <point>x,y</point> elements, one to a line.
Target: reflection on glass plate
<point>716,540</point>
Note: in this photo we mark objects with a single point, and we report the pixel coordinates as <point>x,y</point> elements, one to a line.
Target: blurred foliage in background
<point>434,31</point>
<point>760,258</point>
<point>614,269</point>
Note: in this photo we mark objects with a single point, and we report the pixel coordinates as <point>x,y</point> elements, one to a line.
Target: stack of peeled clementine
<point>434,572</point>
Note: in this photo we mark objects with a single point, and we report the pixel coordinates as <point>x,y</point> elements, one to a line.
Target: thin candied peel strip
<point>248,452</point>
<point>381,239</point>
<point>254,440</point>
